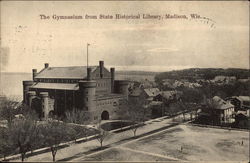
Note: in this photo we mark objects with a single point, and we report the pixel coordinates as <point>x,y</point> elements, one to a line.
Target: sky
<point>220,39</point>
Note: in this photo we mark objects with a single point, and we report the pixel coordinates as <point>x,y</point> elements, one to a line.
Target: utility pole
<point>88,55</point>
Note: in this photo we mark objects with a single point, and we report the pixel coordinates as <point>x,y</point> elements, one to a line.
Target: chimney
<point>34,73</point>
<point>89,73</point>
<point>101,65</point>
<point>112,71</point>
<point>46,65</point>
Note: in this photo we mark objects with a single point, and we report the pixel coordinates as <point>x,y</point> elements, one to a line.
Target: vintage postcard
<point>124,81</point>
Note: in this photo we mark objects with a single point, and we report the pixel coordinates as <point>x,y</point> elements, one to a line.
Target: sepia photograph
<point>124,81</point>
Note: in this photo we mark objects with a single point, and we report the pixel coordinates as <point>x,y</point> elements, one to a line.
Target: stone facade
<point>93,89</point>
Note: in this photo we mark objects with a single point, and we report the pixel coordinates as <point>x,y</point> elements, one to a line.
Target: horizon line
<point>125,70</point>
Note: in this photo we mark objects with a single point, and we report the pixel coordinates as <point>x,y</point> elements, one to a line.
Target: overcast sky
<point>152,45</point>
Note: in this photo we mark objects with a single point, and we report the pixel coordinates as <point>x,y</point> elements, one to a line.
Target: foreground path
<point>77,151</point>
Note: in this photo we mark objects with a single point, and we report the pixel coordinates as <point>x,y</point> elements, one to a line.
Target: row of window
<point>68,81</point>
<point>107,103</point>
<point>57,80</point>
<point>102,84</point>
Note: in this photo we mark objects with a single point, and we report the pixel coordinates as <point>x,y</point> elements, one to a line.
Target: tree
<point>23,133</point>
<point>8,110</point>
<point>6,145</point>
<point>102,134</point>
<point>136,114</point>
<point>79,131</point>
<point>54,133</point>
<point>77,116</point>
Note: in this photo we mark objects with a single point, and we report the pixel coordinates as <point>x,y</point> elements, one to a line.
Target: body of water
<point>11,84</point>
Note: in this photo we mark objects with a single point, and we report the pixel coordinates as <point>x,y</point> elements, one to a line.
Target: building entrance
<point>105,115</point>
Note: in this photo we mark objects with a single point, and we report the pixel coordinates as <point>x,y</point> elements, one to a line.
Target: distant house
<point>168,83</point>
<point>178,84</point>
<point>224,79</point>
<point>219,111</point>
<point>145,95</point>
<point>150,93</point>
<point>183,83</point>
<point>135,92</point>
<point>240,102</point>
<point>166,96</point>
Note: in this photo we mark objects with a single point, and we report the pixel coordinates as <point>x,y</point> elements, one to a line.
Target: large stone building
<point>93,89</point>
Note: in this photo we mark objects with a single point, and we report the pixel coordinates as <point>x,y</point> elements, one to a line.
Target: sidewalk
<point>79,150</point>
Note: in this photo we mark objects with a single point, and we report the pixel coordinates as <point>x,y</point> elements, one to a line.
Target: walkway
<point>78,151</point>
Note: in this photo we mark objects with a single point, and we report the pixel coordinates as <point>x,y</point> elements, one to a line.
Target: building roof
<point>221,104</point>
<point>75,72</point>
<point>152,92</point>
<point>244,98</point>
<point>135,92</point>
<point>58,86</point>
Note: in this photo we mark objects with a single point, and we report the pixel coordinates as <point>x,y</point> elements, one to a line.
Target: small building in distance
<point>146,95</point>
<point>240,102</point>
<point>93,89</point>
<point>219,111</point>
<point>224,79</point>
<point>168,96</point>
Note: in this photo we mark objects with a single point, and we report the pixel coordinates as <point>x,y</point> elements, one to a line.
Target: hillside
<point>203,73</point>
<point>136,73</point>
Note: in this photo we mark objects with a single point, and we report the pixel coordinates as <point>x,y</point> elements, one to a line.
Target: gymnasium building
<point>93,89</point>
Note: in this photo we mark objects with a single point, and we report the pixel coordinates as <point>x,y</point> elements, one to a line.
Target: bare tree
<point>6,145</point>
<point>77,116</point>
<point>8,110</point>
<point>54,133</point>
<point>23,134</point>
<point>136,114</point>
<point>102,134</point>
<point>21,131</point>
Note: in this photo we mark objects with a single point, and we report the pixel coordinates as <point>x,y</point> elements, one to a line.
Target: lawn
<point>116,154</point>
<point>183,142</point>
<point>193,143</point>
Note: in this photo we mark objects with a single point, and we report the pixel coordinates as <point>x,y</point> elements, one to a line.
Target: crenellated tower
<point>87,90</point>
<point>26,86</point>
<point>121,87</point>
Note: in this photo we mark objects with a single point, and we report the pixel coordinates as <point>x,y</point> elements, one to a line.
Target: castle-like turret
<point>45,104</point>
<point>31,96</point>
<point>87,90</point>
<point>121,87</point>
<point>26,85</point>
<point>112,72</point>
